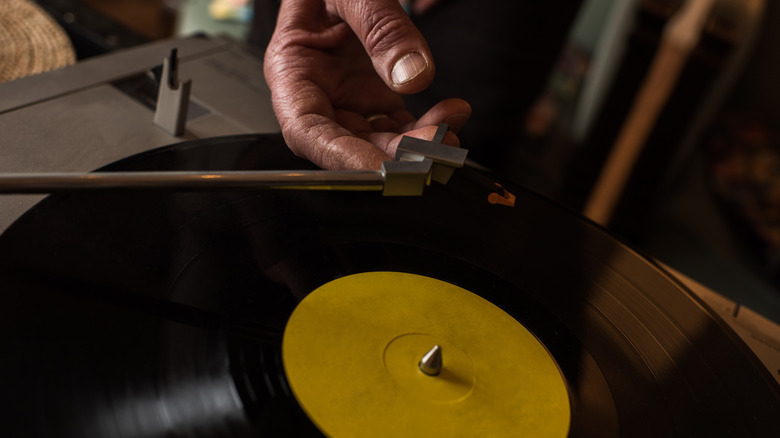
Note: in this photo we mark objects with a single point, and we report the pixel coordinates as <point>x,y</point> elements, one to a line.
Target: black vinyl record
<point>158,313</point>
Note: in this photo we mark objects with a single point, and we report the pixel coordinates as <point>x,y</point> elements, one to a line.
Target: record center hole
<point>454,382</point>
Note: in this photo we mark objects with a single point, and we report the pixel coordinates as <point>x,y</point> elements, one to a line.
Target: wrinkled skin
<point>330,68</point>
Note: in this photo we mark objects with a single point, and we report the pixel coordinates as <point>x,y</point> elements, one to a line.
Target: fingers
<point>383,123</point>
<point>351,142</point>
<point>393,122</point>
<point>389,143</point>
<point>388,139</point>
<point>318,122</point>
<point>380,122</point>
<point>329,145</point>
<point>383,130</point>
<point>453,112</point>
<point>398,51</point>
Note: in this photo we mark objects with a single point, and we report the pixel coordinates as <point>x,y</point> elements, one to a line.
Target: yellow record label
<point>352,349</point>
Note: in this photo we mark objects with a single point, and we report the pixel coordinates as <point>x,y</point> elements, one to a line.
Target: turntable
<point>242,312</point>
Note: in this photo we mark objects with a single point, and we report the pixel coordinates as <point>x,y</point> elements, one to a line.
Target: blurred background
<point>656,118</point>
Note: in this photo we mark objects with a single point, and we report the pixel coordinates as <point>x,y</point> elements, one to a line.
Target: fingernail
<point>408,68</point>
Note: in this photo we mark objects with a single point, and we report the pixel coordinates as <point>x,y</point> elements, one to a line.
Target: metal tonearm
<point>417,163</point>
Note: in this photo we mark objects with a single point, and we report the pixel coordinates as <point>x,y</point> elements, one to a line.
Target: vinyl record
<point>149,313</point>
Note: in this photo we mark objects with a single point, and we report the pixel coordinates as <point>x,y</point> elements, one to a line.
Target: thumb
<point>397,49</point>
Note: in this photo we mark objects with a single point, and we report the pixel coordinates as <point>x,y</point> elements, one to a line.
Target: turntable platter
<point>163,313</point>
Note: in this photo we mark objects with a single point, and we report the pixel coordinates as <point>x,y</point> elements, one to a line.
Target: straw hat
<point>30,41</point>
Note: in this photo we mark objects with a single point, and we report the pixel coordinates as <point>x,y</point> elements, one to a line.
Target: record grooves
<point>154,313</point>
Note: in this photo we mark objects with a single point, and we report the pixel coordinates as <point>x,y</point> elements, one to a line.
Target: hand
<point>337,69</point>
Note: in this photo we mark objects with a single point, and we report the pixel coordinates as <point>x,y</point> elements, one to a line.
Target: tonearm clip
<point>417,163</point>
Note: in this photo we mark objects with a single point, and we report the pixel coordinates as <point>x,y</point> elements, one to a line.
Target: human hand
<point>337,69</point>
